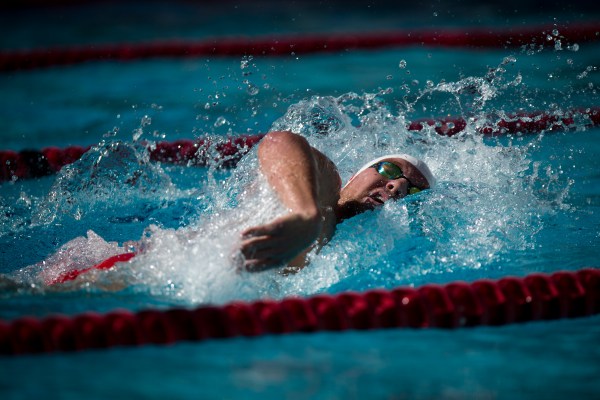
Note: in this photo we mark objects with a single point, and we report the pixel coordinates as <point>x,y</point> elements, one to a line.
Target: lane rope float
<point>37,163</point>
<point>536,297</point>
<point>476,38</point>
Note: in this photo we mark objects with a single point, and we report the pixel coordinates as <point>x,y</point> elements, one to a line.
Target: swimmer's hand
<point>280,241</point>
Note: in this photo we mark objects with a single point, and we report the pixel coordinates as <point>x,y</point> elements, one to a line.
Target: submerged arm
<point>295,171</point>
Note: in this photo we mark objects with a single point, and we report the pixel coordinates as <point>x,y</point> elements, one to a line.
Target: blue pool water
<point>511,205</point>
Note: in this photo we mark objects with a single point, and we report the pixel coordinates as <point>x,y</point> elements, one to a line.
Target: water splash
<point>201,262</point>
<point>491,201</point>
<point>485,206</point>
<point>114,173</point>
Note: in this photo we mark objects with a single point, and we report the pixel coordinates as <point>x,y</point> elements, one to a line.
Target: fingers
<point>274,228</point>
<point>251,247</point>
<point>263,247</point>
<point>263,252</point>
<point>274,244</point>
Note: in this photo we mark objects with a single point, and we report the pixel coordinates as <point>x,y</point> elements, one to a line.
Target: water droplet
<point>557,45</point>
<point>555,32</point>
<point>252,90</point>
<point>220,122</point>
<point>575,47</point>
<point>518,79</point>
<point>137,133</point>
<point>435,13</point>
<point>389,77</point>
<point>111,133</point>
<point>402,64</point>
<point>245,62</point>
<point>146,120</point>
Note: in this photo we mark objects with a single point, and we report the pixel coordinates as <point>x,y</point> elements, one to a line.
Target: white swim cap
<point>418,164</point>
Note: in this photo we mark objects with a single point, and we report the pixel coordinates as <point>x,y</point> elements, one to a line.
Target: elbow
<point>283,137</point>
<point>278,141</point>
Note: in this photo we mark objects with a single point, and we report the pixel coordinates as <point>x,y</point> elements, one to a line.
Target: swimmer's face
<point>373,187</point>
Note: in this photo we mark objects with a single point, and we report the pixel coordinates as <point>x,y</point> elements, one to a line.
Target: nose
<point>397,188</point>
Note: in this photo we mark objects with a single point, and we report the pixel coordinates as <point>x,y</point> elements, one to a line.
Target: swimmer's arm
<point>290,166</point>
<point>288,162</point>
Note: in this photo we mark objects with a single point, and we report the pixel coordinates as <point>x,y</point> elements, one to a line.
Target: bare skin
<point>308,184</point>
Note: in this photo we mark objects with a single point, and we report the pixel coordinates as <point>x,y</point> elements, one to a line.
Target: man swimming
<point>308,184</point>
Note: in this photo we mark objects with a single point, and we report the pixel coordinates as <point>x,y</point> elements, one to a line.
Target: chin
<point>355,207</point>
<point>366,206</point>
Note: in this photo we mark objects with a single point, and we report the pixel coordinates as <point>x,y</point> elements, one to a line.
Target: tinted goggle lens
<point>413,190</point>
<point>389,170</point>
<point>392,171</point>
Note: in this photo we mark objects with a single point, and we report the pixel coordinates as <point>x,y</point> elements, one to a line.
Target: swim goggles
<point>391,171</point>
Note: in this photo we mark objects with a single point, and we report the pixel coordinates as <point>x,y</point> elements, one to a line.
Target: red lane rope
<point>516,123</point>
<point>36,163</point>
<point>286,45</point>
<point>28,164</point>
<point>565,294</point>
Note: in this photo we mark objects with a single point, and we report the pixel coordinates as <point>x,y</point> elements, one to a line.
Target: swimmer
<point>308,184</point>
